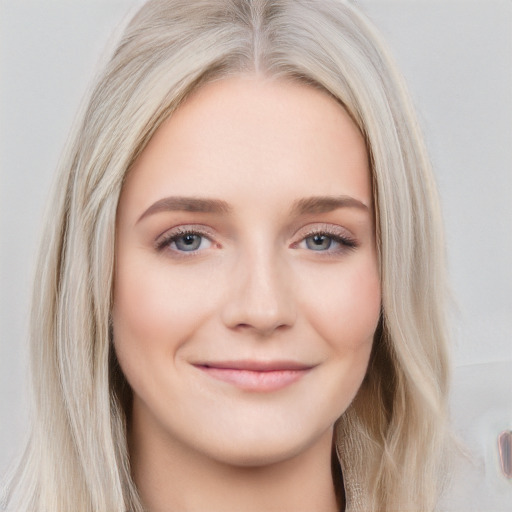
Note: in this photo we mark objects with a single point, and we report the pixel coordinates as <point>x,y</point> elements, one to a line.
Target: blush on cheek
<point>348,320</point>
<point>156,310</point>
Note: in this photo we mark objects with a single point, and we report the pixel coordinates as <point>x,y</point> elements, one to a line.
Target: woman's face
<point>246,289</point>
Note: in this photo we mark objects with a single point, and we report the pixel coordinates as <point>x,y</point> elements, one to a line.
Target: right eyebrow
<point>187,204</point>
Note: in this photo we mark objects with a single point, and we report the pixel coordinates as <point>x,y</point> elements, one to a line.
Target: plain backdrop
<point>457,58</point>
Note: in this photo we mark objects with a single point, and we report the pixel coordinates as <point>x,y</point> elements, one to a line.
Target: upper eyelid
<point>185,229</point>
<point>326,228</point>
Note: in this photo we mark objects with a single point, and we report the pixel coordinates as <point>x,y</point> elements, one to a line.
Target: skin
<point>256,286</point>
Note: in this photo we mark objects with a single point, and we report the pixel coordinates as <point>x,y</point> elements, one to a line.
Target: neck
<point>171,476</point>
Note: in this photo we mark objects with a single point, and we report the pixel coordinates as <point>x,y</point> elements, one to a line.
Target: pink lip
<point>256,375</point>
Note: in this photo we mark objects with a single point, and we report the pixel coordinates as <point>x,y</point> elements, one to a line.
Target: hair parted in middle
<point>390,441</point>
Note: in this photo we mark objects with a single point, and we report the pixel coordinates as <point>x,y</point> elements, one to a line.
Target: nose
<point>260,295</point>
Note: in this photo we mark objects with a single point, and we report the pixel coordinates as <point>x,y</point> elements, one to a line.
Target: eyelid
<point>324,228</point>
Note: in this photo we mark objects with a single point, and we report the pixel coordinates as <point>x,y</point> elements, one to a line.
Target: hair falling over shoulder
<point>392,441</point>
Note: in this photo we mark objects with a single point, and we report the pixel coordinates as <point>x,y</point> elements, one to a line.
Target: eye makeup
<point>191,240</point>
<point>184,240</point>
<point>326,238</point>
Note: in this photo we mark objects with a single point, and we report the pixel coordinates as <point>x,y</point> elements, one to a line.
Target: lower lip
<point>250,380</point>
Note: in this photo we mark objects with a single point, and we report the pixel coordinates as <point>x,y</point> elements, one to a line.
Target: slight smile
<point>257,376</point>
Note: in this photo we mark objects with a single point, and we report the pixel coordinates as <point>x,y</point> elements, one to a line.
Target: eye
<point>318,242</point>
<point>184,241</point>
<point>329,241</point>
<point>190,242</point>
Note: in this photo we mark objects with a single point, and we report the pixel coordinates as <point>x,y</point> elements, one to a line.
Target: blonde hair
<point>391,440</point>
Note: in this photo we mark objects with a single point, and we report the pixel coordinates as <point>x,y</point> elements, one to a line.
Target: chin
<point>258,456</point>
<point>265,450</point>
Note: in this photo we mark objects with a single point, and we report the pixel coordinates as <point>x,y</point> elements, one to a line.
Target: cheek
<point>342,304</point>
<point>345,307</point>
<point>155,312</point>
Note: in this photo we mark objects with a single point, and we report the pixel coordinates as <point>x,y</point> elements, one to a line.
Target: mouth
<point>256,376</point>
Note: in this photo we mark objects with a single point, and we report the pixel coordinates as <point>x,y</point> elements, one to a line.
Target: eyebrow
<point>324,204</point>
<point>187,204</point>
<point>308,205</point>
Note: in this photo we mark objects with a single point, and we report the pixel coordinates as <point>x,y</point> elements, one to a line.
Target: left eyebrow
<point>324,204</point>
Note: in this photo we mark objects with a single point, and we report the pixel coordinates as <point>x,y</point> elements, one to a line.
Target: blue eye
<point>184,242</point>
<point>188,242</point>
<point>325,241</point>
<point>318,242</point>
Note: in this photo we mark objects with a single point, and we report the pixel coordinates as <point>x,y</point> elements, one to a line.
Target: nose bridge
<point>260,292</point>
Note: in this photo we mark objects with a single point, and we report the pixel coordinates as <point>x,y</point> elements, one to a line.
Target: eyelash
<point>167,239</point>
<point>345,242</point>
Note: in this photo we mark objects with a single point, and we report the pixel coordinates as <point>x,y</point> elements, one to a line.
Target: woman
<point>240,298</point>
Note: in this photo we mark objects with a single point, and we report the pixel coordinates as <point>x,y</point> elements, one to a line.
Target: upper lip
<point>256,366</point>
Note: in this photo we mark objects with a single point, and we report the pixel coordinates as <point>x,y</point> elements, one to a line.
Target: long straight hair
<point>391,440</point>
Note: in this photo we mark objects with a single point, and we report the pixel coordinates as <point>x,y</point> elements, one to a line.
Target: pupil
<point>318,242</point>
<point>188,242</point>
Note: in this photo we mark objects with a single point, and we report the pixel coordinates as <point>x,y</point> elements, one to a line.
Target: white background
<point>457,58</point>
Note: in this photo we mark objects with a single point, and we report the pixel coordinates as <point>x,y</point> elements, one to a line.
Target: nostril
<point>261,328</point>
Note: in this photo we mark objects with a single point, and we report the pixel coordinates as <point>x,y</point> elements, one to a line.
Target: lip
<point>257,376</point>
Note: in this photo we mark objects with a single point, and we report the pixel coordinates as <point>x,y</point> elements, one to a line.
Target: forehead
<point>250,137</point>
